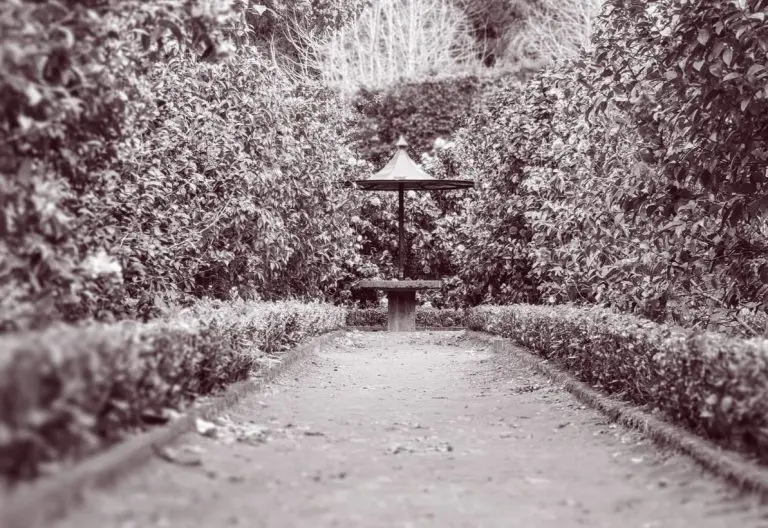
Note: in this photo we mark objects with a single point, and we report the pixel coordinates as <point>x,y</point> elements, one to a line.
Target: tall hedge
<point>617,178</point>
<point>421,111</point>
<point>151,154</point>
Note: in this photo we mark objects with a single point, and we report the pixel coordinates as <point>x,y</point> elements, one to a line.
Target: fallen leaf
<point>206,428</point>
<point>177,457</point>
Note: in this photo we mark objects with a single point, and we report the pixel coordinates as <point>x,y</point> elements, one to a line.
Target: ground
<point>416,429</point>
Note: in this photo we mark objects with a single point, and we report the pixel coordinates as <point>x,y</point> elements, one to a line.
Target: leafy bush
<point>366,317</point>
<point>422,111</point>
<point>426,113</point>
<point>137,173</point>
<point>241,185</point>
<point>425,317</point>
<point>67,392</point>
<point>714,384</point>
<point>63,68</point>
<point>610,180</point>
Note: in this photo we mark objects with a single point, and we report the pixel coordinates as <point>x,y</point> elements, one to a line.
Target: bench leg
<point>402,311</point>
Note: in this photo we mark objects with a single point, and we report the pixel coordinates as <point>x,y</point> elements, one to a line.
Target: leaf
<point>745,104</point>
<point>755,69</point>
<point>728,55</point>
<point>33,94</point>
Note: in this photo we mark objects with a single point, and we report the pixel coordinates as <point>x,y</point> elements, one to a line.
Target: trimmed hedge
<point>68,391</point>
<point>425,317</point>
<point>423,111</point>
<point>714,384</point>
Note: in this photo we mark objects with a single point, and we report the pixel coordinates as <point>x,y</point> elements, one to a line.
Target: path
<point>419,429</point>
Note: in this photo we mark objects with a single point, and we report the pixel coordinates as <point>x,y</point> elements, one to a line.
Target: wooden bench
<point>401,299</point>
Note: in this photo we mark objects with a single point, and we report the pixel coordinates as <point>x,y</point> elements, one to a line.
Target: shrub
<point>426,113</point>
<point>714,384</point>
<point>136,173</point>
<point>422,111</point>
<point>425,317</point>
<point>240,185</point>
<point>612,179</point>
<point>67,392</point>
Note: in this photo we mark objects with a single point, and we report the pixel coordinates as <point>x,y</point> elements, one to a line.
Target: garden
<point>177,198</point>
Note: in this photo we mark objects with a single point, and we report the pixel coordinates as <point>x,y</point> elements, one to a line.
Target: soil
<point>416,429</point>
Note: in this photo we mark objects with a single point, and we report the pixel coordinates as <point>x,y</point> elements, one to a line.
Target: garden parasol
<point>401,174</point>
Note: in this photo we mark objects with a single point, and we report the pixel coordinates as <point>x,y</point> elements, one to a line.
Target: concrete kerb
<point>731,466</point>
<point>39,503</point>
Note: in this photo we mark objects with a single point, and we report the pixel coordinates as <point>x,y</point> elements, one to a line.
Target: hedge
<point>714,384</point>
<point>425,317</point>
<point>67,392</point>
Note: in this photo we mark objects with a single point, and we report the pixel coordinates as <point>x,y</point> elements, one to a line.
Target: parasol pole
<point>401,216</point>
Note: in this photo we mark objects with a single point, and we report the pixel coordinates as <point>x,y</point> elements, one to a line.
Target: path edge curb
<point>43,502</point>
<point>729,465</point>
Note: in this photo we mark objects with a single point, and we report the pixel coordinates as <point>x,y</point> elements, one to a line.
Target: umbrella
<point>402,174</point>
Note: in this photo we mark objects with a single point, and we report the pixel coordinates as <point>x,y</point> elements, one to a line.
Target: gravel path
<point>416,429</point>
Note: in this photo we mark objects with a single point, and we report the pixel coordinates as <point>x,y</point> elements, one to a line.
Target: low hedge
<point>68,391</point>
<point>714,384</point>
<point>425,317</point>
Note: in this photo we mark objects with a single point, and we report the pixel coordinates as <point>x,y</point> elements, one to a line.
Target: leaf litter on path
<point>228,431</point>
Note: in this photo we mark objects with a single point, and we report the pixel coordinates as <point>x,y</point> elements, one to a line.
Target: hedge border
<point>418,329</point>
<point>43,501</point>
<point>729,465</point>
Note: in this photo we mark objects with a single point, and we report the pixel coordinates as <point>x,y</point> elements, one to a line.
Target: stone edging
<point>732,466</point>
<point>35,506</point>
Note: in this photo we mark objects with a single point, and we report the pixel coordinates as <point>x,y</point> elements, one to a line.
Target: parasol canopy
<point>402,173</point>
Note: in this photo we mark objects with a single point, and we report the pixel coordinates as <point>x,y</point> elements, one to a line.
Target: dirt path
<point>420,429</point>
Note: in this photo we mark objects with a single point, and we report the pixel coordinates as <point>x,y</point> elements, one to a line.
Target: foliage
<point>425,113</point>
<point>140,172</point>
<point>426,317</point>
<point>286,29</point>
<point>241,186</point>
<point>422,111</point>
<point>67,392</point>
<point>490,248</point>
<point>713,384</point>
<point>60,120</point>
<point>638,170</point>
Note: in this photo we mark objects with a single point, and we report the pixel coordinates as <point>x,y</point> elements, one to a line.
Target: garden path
<point>416,429</point>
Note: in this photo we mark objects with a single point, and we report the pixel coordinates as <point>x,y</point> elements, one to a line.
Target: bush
<point>146,160</point>
<point>67,392</point>
<point>425,113</point>
<point>713,384</point>
<point>425,317</point>
<point>611,179</point>
<point>67,72</point>
<point>239,183</point>
<point>422,111</point>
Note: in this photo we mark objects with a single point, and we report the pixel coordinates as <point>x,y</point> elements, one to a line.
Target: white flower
<point>100,263</point>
